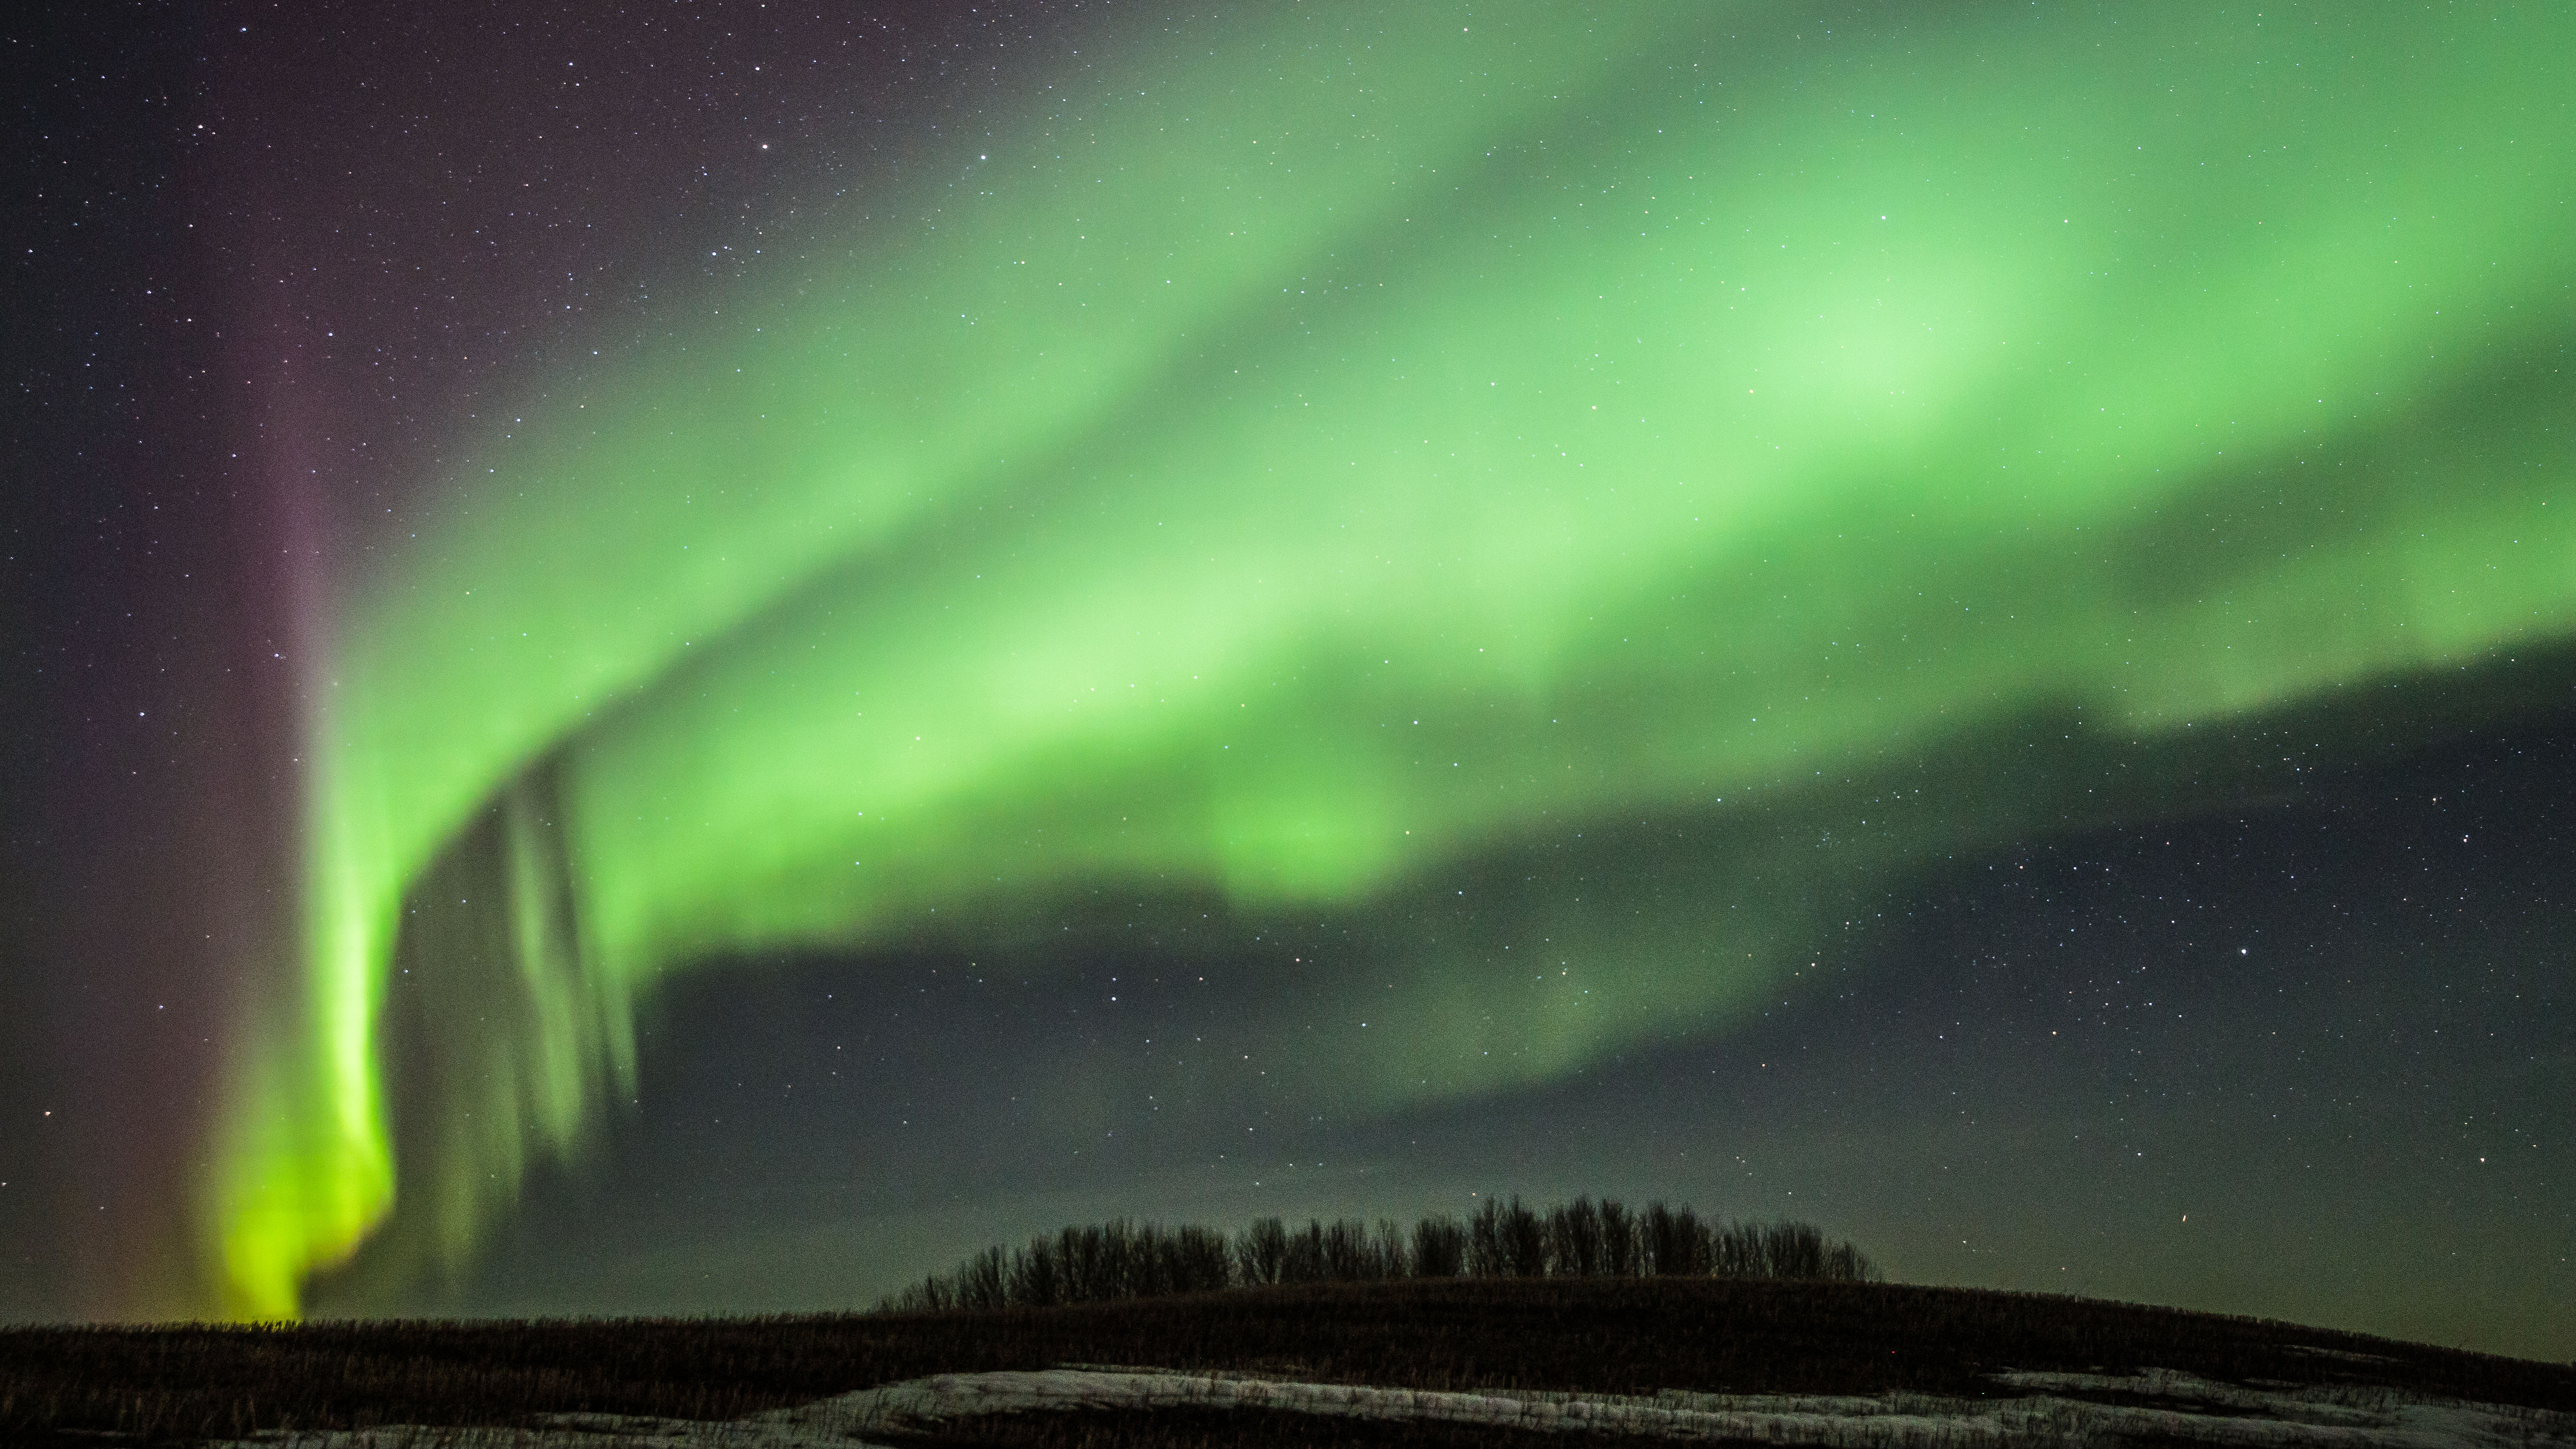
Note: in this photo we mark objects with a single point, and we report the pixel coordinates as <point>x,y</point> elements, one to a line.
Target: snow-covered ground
<point>2044,1409</point>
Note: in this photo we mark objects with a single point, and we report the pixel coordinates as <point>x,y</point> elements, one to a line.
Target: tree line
<point>1501,1239</point>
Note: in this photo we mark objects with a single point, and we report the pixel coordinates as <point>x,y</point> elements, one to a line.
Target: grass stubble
<point>194,1383</point>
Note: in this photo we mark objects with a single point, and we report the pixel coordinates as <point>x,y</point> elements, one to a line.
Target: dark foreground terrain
<point>1597,1337</point>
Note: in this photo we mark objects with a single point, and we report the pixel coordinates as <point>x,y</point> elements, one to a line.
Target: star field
<point>694,657</point>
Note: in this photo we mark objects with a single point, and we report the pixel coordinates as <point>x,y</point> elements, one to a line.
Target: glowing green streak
<point>1308,462</point>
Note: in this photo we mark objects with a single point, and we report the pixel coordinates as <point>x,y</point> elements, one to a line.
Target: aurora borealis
<point>1514,547</point>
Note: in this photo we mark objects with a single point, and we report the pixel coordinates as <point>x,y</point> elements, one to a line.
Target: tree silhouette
<point>1503,1238</point>
<point>1439,1247</point>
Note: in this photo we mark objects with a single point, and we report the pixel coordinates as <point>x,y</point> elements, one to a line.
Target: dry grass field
<point>1611,1337</point>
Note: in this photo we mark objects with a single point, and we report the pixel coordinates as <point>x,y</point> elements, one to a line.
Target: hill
<point>1601,1358</point>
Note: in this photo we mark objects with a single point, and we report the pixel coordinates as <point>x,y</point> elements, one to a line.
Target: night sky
<point>694,657</point>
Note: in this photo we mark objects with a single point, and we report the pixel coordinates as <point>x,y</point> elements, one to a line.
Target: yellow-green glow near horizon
<point>1335,444</point>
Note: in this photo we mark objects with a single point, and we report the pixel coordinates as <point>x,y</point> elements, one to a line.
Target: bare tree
<point>1847,1264</point>
<point>1262,1253</point>
<point>1306,1260</point>
<point>1693,1242</point>
<point>1201,1261</point>
<point>1794,1250</point>
<point>985,1280</point>
<point>1387,1251</point>
<point>1736,1252</point>
<point>1084,1254</point>
<point>1676,1244</point>
<point>1486,1256</point>
<point>1439,1247</point>
<point>1037,1277</point>
<point>1524,1241</point>
<point>1574,1239</point>
<point>1347,1258</point>
<point>1618,1239</point>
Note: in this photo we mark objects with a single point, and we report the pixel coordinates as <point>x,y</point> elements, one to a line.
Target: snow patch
<point>2049,1412</point>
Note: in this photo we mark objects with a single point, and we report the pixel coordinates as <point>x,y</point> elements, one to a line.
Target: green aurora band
<point>1323,449</point>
